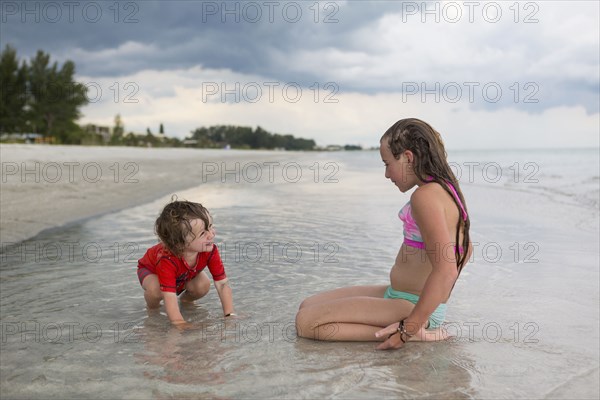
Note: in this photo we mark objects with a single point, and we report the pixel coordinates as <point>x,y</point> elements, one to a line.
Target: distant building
<point>190,142</point>
<point>104,131</point>
<point>333,147</point>
<point>26,137</point>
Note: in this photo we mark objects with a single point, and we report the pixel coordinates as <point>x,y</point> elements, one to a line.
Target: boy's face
<point>202,238</point>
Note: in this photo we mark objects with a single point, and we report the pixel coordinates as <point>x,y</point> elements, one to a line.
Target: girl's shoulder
<point>429,192</point>
<point>430,197</point>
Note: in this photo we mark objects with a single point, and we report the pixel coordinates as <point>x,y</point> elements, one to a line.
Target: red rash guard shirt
<point>173,272</point>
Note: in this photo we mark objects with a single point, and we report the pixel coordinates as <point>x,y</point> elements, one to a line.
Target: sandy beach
<point>49,186</point>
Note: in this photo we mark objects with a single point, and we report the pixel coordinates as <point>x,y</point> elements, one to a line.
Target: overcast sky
<point>485,74</point>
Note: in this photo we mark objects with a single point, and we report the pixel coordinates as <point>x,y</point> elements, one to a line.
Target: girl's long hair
<point>430,162</point>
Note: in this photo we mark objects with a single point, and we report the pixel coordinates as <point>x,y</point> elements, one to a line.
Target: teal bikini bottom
<point>435,320</point>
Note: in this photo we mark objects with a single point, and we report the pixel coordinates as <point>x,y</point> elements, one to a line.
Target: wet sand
<point>49,186</point>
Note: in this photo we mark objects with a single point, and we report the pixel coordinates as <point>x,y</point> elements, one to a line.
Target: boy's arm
<point>172,307</point>
<point>224,291</point>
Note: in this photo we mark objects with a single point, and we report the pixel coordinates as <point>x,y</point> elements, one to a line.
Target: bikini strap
<point>464,212</point>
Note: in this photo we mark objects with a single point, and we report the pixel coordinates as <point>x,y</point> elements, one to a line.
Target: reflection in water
<point>184,357</point>
<point>356,370</point>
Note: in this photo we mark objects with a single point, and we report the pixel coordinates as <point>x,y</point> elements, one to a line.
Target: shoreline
<point>45,187</point>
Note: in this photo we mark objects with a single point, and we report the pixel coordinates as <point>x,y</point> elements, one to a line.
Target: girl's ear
<point>410,157</point>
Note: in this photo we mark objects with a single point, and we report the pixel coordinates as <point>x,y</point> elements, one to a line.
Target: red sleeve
<point>167,275</point>
<point>215,265</point>
<point>148,261</point>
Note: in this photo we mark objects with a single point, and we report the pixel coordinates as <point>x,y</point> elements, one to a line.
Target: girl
<point>435,249</point>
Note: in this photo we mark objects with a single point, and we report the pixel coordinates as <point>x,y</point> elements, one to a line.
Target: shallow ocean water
<point>524,313</point>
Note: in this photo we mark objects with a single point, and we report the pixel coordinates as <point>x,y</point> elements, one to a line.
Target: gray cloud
<point>368,47</point>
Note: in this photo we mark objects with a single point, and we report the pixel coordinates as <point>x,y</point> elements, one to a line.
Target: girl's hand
<point>393,340</point>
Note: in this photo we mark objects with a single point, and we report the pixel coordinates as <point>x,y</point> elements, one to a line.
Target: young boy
<point>176,264</point>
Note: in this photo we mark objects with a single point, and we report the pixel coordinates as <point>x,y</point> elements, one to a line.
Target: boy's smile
<point>201,239</point>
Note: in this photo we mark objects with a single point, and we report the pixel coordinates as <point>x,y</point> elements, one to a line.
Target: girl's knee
<point>300,322</point>
<point>309,301</point>
<point>303,304</point>
<point>304,323</point>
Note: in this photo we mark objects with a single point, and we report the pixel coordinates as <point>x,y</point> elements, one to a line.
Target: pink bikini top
<point>412,233</point>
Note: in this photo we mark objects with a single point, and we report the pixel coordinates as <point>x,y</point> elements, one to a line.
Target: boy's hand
<point>224,291</point>
<point>182,325</point>
<point>172,308</point>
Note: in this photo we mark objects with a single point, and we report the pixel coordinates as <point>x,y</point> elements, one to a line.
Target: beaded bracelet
<point>402,330</point>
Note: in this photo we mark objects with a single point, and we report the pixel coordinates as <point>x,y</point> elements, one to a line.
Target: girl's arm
<point>430,215</point>
<point>224,291</point>
<point>172,308</point>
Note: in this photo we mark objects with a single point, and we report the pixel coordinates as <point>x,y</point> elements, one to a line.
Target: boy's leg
<point>152,293</point>
<point>196,288</point>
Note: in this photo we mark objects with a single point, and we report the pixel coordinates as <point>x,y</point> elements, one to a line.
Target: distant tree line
<point>39,97</point>
<point>243,137</point>
<point>42,98</point>
<point>118,137</point>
